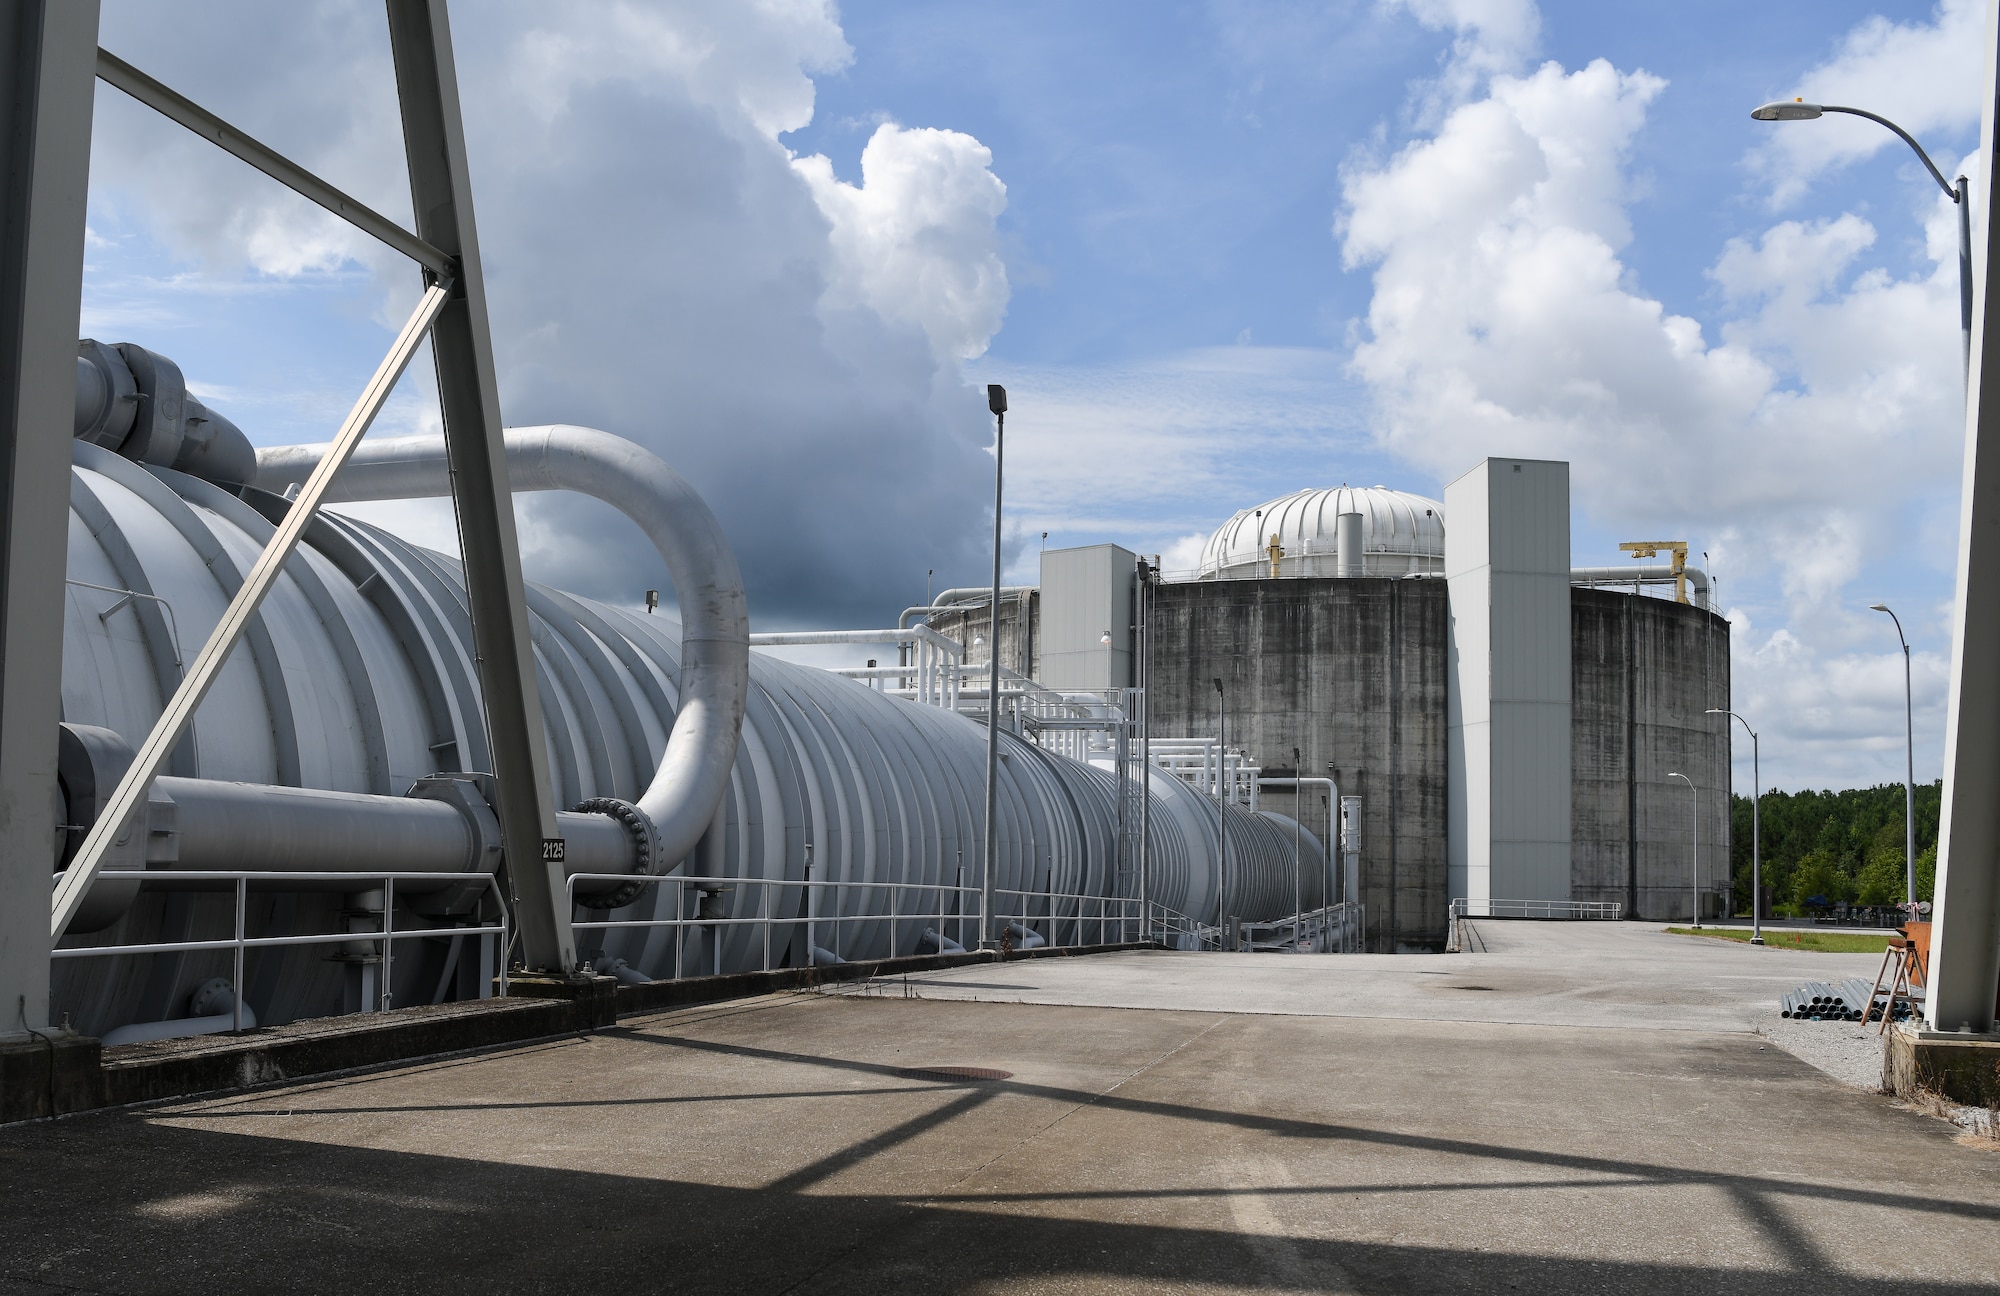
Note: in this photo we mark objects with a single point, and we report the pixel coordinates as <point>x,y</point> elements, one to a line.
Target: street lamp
<point>996,400</point>
<point>1909,767</point>
<point>1298,884</point>
<point>1697,844</point>
<point>1800,110</point>
<point>1756,843</point>
<point>1221,816</point>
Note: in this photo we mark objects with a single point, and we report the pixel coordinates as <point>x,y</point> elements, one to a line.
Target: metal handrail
<point>1121,913</point>
<point>1463,907</point>
<point>242,942</point>
<point>765,918</point>
<point>1339,928</point>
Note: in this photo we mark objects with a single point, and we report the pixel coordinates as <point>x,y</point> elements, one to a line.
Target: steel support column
<point>1965,949</point>
<point>469,396</point>
<point>48,56</point>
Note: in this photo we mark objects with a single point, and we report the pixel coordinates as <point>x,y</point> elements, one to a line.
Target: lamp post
<point>996,400</point>
<point>1909,768</point>
<point>1756,843</point>
<point>1298,884</point>
<point>1221,816</point>
<point>1697,843</point>
<point>1149,571</point>
<point>1961,194</point>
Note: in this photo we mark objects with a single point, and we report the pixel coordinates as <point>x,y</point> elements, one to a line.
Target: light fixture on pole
<point>1756,838</point>
<point>1961,194</point>
<point>1298,885</point>
<point>996,400</point>
<point>1909,770</point>
<point>1697,843</point>
<point>1221,814</point>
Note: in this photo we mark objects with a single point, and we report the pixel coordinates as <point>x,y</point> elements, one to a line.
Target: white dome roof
<point>1401,534</point>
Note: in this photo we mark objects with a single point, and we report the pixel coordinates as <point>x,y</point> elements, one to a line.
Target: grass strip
<point>1792,938</point>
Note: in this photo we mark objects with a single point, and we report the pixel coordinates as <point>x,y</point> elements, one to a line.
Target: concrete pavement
<point>1548,973</point>
<point>801,1143</point>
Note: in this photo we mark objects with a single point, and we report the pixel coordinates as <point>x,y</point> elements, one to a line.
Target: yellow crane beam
<point>1653,548</point>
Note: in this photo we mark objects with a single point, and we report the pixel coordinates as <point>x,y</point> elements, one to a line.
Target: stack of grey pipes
<point>1847,1000</point>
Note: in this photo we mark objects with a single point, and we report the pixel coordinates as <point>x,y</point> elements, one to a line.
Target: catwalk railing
<point>1587,909</point>
<point>1023,919</point>
<point>494,937</point>
<point>1337,929</point>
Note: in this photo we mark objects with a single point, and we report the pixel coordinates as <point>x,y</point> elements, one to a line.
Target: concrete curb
<point>66,1073</point>
<point>1963,1069</point>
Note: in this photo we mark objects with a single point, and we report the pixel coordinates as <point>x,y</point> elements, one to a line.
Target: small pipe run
<point>212,1010</point>
<point>443,826</point>
<point>960,600</point>
<point>1645,574</point>
<point>694,772</point>
<point>1025,937</point>
<point>934,942</point>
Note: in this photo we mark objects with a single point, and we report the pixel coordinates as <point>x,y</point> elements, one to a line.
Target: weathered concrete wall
<point>1643,672</point>
<point>1015,654</point>
<point>1352,674</point>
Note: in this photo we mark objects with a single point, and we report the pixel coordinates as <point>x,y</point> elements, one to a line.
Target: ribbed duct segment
<point>358,677</point>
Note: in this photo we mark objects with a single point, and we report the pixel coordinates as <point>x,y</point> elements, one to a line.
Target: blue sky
<point>1217,252</point>
<point>1173,170</point>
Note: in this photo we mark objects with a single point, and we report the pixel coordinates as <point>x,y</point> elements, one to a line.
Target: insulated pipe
<point>253,826</point>
<point>957,600</point>
<point>213,825</point>
<point>715,624</point>
<point>179,1028</point>
<point>1298,786</point>
<point>1644,574</point>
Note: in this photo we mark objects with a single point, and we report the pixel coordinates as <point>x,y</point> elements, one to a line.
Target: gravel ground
<point>1850,1052</point>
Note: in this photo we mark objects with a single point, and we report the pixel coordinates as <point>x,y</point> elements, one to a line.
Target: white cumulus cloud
<point>1922,75</point>
<point>658,262</point>
<point>1790,439</point>
<point>1488,37</point>
<point>915,240</point>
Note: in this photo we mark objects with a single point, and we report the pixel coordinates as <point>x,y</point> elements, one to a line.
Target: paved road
<point>1548,973</point>
<point>791,1144</point>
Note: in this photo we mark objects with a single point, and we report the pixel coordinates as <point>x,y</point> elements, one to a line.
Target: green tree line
<point>1839,845</point>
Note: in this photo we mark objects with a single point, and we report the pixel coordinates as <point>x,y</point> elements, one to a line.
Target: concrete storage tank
<point>355,686</point>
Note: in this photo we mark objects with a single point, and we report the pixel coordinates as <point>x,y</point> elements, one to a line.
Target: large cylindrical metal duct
<point>715,640</point>
<point>357,677</point>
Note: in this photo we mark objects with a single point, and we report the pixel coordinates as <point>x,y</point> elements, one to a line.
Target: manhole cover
<point>954,1073</point>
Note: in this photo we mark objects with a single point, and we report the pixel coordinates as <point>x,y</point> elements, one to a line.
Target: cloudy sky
<point>1216,251</point>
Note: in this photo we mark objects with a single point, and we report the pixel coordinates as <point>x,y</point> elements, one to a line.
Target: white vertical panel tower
<point>1506,560</point>
<point>1086,597</point>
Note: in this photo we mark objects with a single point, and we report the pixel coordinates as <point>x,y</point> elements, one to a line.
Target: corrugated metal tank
<point>357,676</point>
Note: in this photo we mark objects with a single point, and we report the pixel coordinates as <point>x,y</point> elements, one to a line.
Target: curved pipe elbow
<point>694,771</point>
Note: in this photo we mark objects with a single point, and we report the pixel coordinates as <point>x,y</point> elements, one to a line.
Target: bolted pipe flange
<point>645,851</point>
